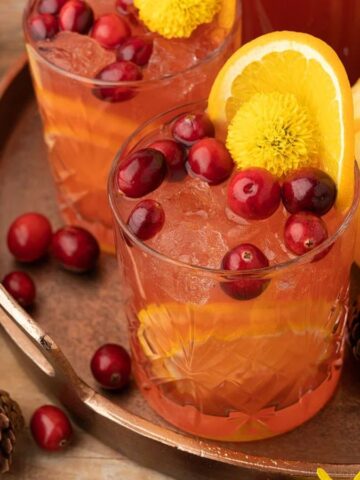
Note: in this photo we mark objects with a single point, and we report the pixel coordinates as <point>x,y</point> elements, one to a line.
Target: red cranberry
<point>147,219</point>
<point>135,49</point>
<point>245,257</point>
<point>50,428</point>
<point>210,160</point>
<point>191,127</point>
<point>50,6</point>
<point>75,249</point>
<point>118,72</point>
<point>29,237</point>
<point>254,194</point>
<point>21,286</point>
<point>43,26</point>
<point>303,232</point>
<point>110,30</point>
<point>124,6</point>
<point>309,189</point>
<point>141,172</point>
<point>174,153</point>
<point>111,366</point>
<point>76,16</point>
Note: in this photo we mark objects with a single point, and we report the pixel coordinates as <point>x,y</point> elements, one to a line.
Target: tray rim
<point>57,369</point>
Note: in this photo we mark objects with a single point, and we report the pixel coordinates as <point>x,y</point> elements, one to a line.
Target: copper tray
<point>74,314</point>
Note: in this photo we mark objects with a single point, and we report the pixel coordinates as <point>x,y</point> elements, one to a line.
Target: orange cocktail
<point>213,364</point>
<point>86,115</point>
<point>235,234</point>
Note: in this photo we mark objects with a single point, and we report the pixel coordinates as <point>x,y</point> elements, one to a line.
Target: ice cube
<point>170,56</point>
<point>189,200</point>
<point>194,243</point>
<point>76,53</point>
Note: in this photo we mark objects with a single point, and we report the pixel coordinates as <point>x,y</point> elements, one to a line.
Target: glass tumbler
<point>83,132</point>
<point>227,369</point>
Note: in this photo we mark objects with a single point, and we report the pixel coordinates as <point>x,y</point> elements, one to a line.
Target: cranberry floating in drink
<point>210,160</point>
<point>241,258</point>
<point>141,172</point>
<point>118,72</point>
<point>136,49</point>
<point>304,232</point>
<point>43,26</point>
<point>146,220</point>
<point>309,189</point>
<point>124,6</point>
<point>254,194</point>
<point>192,127</point>
<point>174,153</point>
<point>76,16</point>
<point>50,6</point>
<point>110,31</point>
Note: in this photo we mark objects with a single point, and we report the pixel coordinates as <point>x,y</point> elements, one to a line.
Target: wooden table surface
<point>87,459</point>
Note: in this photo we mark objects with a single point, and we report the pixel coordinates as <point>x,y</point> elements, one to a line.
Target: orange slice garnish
<point>310,105</point>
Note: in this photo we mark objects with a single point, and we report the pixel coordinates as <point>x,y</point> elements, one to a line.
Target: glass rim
<point>298,260</point>
<point>135,83</point>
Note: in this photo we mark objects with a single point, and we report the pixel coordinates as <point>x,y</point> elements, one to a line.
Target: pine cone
<point>11,421</point>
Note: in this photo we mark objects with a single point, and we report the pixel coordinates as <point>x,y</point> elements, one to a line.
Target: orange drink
<point>89,108</point>
<point>234,234</point>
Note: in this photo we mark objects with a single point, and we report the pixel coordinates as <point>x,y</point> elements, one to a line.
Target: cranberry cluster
<point>111,31</point>
<point>255,194</point>
<point>30,238</point>
<point>307,194</point>
<point>252,193</point>
<point>192,148</point>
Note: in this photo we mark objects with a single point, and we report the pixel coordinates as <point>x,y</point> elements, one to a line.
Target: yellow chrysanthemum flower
<point>176,18</point>
<point>273,131</point>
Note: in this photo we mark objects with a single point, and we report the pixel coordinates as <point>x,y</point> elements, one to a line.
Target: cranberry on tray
<point>21,286</point>
<point>29,237</point>
<point>75,248</point>
<point>111,366</point>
